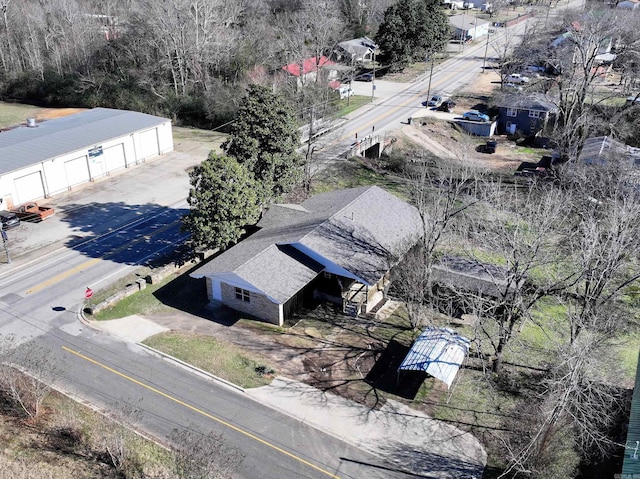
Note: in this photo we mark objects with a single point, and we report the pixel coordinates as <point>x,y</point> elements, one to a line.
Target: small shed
<point>438,352</point>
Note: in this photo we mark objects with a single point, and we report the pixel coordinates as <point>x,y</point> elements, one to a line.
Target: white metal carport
<point>438,352</point>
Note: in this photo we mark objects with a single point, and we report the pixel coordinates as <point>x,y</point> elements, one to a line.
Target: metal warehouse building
<point>48,158</point>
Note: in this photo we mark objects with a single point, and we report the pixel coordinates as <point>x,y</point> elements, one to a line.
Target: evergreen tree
<point>223,201</point>
<point>411,31</point>
<point>264,138</point>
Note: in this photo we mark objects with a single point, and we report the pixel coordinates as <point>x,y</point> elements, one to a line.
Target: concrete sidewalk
<point>406,439</point>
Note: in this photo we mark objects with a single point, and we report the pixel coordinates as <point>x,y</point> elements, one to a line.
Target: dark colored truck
<point>33,212</point>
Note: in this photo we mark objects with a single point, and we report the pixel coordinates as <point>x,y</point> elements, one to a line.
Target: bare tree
<point>203,456</point>
<point>576,407</point>
<point>577,58</point>
<point>441,190</point>
<point>604,245</point>
<point>521,230</point>
<point>116,439</point>
<point>27,373</point>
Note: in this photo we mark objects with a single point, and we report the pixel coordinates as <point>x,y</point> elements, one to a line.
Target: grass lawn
<point>207,138</point>
<point>353,173</point>
<point>12,114</point>
<point>354,103</point>
<point>222,359</point>
<point>177,291</point>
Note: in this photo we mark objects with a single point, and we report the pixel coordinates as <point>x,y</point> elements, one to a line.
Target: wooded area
<point>189,60</point>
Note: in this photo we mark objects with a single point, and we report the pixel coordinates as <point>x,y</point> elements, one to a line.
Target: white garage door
<point>29,187</point>
<point>77,171</point>
<point>149,143</point>
<point>114,157</point>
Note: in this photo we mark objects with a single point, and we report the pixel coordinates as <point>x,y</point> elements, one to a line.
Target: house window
<point>243,295</point>
<point>534,114</point>
<point>512,112</point>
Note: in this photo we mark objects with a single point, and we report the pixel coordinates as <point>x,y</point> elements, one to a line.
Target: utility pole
<point>430,76</point>
<point>5,241</point>
<point>373,78</point>
<point>486,48</point>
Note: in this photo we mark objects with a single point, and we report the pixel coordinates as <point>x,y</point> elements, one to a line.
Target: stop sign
<point>88,293</point>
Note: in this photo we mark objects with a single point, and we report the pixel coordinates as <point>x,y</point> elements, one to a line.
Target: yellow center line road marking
<point>203,413</point>
<point>87,264</point>
<point>64,275</point>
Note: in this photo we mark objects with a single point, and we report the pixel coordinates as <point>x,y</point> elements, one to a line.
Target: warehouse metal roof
<point>631,464</point>
<point>438,352</point>
<point>25,146</point>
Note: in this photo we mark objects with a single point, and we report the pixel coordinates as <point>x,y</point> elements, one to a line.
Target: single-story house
<point>464,26</point>
<point>309,69</point>
<point>528,114</point>
<point>356,51</point>
<point>477,281</point>
<point>455,4</point>
<point>42,159</point>
<point>337,246</point>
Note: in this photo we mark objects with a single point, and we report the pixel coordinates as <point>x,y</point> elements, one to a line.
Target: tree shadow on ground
<point>189,295</point>
<point>385,375</point>
<point>123,233</point>
<point>419,463</point>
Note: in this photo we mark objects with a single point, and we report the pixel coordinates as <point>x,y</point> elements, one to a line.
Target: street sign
<point>88,293</point>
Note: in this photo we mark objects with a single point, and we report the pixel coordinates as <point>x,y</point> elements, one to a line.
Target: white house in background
<point>468,25</point>
<point>356,51</point>
<point>46,158</point>
<point>455,4</point>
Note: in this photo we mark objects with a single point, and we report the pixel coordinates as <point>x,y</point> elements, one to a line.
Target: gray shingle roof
<point>470,275</point>
<point>23,146</point>
<point>359,229</point>
<point>529,101</point>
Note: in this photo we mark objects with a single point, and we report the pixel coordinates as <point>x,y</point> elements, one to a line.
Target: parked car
<point>534,70</point>
<point>512,86</point>
<point>446,105</point>
<point>517,78</point>
<point>474,115</point>
<point>9,220</point>
<point>364,77</point>
<point>435,100</point>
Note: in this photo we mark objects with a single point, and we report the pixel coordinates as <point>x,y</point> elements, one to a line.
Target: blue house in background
<point>528,114</point>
